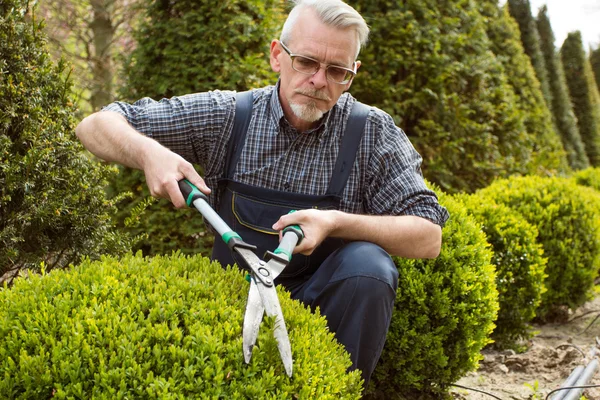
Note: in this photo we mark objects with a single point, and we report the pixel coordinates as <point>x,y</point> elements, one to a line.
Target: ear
<point>350,83</point>
<point>274,57</point>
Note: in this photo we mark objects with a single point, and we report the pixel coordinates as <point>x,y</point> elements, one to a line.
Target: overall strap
<point>348,149</point>
<point>243,114</point>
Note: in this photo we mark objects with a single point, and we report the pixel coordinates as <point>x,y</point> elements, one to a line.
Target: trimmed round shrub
<point>589,177</point>
<point>443,314</point>
<point>520,265</point>
<point>567,218</point>
<point>166,327</point>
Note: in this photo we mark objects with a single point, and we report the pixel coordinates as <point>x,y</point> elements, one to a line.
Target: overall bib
<point>251,212</point>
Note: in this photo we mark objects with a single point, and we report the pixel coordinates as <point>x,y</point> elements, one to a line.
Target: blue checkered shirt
<point>386,177</point>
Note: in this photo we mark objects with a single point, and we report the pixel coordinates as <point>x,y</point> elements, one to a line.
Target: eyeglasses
<point>310,66</point>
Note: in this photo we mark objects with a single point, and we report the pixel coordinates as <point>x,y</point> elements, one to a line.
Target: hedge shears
<point>262,297</point>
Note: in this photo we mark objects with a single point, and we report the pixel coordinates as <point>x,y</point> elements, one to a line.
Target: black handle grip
<point>190,192</point>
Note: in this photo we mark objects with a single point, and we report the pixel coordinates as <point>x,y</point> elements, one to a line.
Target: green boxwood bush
<point>166,327</point>
<point>589,177</point>
<point>567,218</point>
<point>443,314</point>
<point>520,265</point>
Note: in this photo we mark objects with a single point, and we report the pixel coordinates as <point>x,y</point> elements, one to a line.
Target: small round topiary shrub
<point>589,177</point>
<point>567,217</point>
<point>166,327</point>
<point>443,314</point>
<point>520,265</point>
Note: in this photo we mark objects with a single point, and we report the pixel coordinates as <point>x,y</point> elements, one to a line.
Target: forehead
<point>313,38</point>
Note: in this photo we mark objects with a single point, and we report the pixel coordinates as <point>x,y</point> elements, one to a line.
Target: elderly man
<point>303,144</point>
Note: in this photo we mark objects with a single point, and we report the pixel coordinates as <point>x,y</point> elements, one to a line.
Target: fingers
<point>174,192</point>
<point>191,175</point>
<point>312,224</point>
<point>164,173</point>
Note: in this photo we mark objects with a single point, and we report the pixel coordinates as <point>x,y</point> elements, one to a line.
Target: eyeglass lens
<point>309,66</point>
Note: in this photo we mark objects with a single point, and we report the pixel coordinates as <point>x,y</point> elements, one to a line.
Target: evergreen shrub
<point>165,327</point>
<point>567,218</point>
<point>432,66</point>
<point>543,145</point>
<point>584,94</point>
<point>562,108</point>
<point>53,207</point>
<point>520,265</point>
<point>589,177</point>
<point>521,12</point>
<point>443,314</point>
<point>595,64</point>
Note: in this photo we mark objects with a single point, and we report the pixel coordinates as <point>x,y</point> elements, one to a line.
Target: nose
<point>319,80</point>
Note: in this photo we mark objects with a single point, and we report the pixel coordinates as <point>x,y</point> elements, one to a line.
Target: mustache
<point>317,94</point>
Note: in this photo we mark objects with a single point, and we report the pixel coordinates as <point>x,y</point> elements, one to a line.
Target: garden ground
<point>549,358</point>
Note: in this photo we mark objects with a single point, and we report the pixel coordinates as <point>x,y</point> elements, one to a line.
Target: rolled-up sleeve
<point>192,126</point>
<point>396,185</point>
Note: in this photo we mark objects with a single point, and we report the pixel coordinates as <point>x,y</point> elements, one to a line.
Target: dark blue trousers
<point>355,288</point>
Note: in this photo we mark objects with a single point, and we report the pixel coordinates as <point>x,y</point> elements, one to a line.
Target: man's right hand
<point>109,136</point>
<point>164,169</point>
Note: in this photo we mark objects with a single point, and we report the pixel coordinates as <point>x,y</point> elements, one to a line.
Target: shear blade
<point>252,320</point>
<point>272,307</point>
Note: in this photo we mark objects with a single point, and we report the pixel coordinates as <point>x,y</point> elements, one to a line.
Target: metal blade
<point>263,279</point>
<point>254,312</point>
<point>252,319</point>
<point>273,309</point>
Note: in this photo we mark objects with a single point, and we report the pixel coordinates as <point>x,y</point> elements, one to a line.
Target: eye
<point>339,74</point>
<point>305,63</point>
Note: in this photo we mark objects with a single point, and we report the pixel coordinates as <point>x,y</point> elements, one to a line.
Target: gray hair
<point>333,13</point>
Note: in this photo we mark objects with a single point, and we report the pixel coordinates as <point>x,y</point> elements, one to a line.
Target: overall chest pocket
<point>253,220</point>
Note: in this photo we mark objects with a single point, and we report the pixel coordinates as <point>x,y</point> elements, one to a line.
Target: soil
<point>545,364</point>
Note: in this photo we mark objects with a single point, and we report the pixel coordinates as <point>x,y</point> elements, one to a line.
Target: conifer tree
<point>429,65</point>
<point>595,63</point>
<point>189,46</point>
<point>584,94</point>
<point>185,47</point>
<point>521,12</point>
<point>562,108</point>
<point>504,35</point>
<point>53,208</point>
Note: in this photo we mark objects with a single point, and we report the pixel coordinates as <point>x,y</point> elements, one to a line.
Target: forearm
<point>404,236</point>
<point>109,136</point>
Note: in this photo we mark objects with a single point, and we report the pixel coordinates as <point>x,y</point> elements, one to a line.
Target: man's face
<point>305,98</point>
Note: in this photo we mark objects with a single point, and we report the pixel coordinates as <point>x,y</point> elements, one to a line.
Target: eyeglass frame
<point>294,55</point>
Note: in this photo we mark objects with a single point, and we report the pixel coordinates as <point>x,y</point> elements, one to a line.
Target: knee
<point>365,259</point>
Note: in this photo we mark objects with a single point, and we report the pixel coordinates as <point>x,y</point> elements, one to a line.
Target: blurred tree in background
<point>595,63</point>
<point>584,94</point>
<point>53,208</point>
<point>547,152</point>
<point>93,35</point>
<point>562,108</point>
<point>521,12</point>
<point>190,46</point>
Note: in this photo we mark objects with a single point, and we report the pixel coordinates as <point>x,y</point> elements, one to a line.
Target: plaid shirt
<point>386,177</point>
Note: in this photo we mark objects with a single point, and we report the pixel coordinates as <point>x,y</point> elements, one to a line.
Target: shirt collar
<point>279,117</point>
